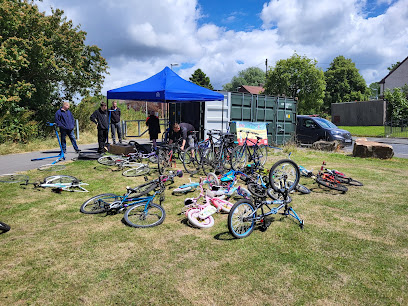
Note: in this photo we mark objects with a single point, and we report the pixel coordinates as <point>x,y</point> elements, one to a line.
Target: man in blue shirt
<point>65,121</point>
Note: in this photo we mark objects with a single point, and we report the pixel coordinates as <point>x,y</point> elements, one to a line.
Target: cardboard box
<point>119,149</point>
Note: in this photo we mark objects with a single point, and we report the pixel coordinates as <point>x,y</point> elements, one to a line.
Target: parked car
<point>310,129</point>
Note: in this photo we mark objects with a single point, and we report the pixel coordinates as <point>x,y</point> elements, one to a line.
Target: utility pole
<point>266,67</point>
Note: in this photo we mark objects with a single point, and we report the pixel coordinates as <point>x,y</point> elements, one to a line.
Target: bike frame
<point>60,155</point>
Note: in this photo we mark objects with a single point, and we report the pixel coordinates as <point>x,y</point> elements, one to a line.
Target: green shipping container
<point>278,112</point>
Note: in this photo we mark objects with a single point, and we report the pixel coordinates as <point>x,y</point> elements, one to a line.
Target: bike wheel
<point>142,170</point>
<point>347,180</point>
<point>153,159</point>
<point>61,179</point>
<point>162,161</point>
<point>257,190</point>
<point>332,185</point>
<point>143,189</point>
<point>109,160</point>
<point>354,182</point>
<point>302,189</point>
<point>262,155</point>
<point>14,178</point>
<point>284,174</point>
<point>190,160</point>
<point>278,196</point>
<point>207,160</point>
<point>193,218</point>
<point>238,225</point>
<point>4,227</point>
<point>142,215</point>
<point>239,158</point>
<point>212,180</point>
<point>96,204</point>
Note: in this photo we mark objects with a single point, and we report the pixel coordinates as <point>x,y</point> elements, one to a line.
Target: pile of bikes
<point>229,179</point>
<point>224,172</point>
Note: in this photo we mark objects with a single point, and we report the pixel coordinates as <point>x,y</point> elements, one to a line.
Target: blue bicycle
<point>140,211</point>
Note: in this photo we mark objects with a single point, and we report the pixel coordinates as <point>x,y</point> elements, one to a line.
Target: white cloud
<point>139,38</point>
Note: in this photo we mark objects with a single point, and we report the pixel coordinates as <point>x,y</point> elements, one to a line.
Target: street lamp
<point>171,66</point>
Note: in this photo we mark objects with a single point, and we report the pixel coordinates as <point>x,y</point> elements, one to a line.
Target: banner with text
<point>252,129</point>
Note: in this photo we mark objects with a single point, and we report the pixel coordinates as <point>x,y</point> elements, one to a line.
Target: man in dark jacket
<point>65,121</point>
<point>154,127</point>
<point>101,118</point>
<point>115,122</point>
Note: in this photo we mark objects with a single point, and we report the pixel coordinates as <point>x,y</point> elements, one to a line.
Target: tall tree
<point>344,82</point>
<point>201,79</point>
<point>374,90</point>
<point>43,61</point>
<point>298,77</point>
<point>393,66</point>
<point>253,76</point>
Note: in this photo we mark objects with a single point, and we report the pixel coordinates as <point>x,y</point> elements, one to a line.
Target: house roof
<point>255,90</point>
<point>383,80</point>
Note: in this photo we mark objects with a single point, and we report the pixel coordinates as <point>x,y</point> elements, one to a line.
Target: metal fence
<point>396,128</point>
<point>138,128</point>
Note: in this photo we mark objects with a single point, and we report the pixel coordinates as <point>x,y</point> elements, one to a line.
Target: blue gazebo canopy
<point>165,86</point>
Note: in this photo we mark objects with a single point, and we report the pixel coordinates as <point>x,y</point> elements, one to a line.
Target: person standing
<point>101,118</point>
<point>153,123</point>
<point>66,122</point>
<point>115,122</point>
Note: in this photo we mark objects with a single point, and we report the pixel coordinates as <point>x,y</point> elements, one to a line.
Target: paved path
<point>400,145</point>
<point>13,163</point>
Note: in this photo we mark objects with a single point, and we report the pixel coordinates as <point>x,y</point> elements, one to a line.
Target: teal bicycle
<point>139,211</point>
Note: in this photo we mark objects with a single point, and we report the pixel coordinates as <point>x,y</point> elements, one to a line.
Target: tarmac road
<point>13,163</point>
<point>400,145</point>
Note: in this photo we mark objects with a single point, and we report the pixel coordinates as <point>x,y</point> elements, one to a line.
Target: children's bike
<point>200,214</point>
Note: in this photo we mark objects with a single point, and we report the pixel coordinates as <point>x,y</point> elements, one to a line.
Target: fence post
<point>77,128</point>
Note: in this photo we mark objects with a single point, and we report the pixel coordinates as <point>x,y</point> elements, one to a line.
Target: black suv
<point>310,129</point>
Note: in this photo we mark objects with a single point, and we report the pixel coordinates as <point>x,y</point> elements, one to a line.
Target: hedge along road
<point>400,145</point>
<point>13,163</point>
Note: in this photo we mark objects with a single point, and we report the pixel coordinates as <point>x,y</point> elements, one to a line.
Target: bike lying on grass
<point>200,214</point>
<point>135,168</point>
<point>60,183</point>
<point>140,211</point>
<point>244,214</point>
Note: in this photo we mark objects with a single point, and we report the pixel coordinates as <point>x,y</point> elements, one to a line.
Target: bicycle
<point>136,168</point>
<point>200,215</point>
<point>224,185</point>
<point>341,177</point>
<point>244,214</point>
<point>60,183</point>
<point>217,155</point>
<point>4,227</point>
<point>241,155</point>
<point>325,179</point>
<point>166,156</point>
<point>112,203</point>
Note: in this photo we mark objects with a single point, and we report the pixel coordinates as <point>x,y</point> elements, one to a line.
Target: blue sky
<point>139,38</point>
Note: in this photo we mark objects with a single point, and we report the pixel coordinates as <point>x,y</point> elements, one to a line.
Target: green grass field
<point>352,250</point>
<point>369,131</point>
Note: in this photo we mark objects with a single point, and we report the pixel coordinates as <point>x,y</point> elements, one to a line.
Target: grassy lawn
<point>353,249</point>
<point>369,131</point>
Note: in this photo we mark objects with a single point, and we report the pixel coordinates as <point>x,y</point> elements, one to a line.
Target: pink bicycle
<point>200,214</point>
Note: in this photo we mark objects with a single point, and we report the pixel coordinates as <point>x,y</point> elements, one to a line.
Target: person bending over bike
<point>183,130</point>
